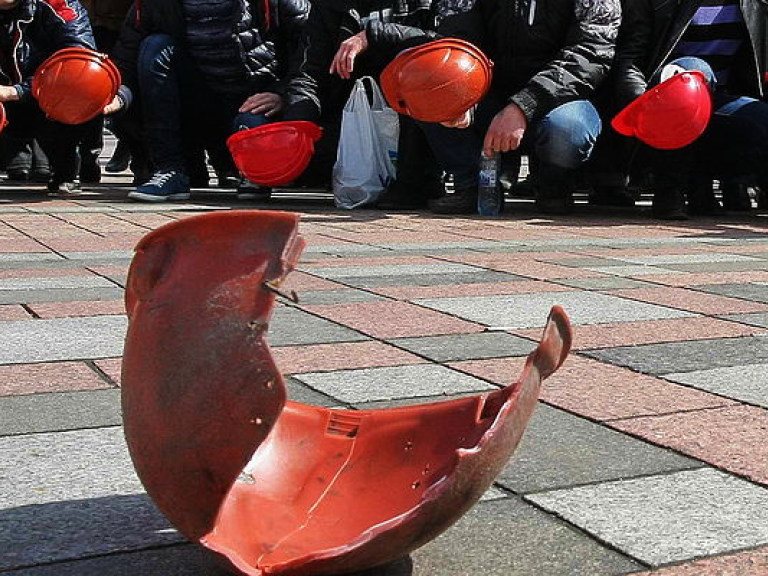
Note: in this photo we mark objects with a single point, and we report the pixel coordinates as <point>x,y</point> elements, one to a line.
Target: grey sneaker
<point>59,188</point>
<point>247,190</point>
<point>169,185</point>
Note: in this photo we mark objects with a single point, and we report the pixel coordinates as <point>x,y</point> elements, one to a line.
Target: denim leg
<point>565,137</point>
<point>158,69</point>
<point>246,121</point>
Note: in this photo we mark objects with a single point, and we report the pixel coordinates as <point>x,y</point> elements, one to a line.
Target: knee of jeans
<point>567,141</point>
<point>247,120</point>
<point>155,53</point>
<point>691,63</point>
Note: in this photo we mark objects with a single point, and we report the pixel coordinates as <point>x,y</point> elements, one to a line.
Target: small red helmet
<point>670,115</point>
<point>438,81</point>
<point>75,84</point>
<point>274,154</point>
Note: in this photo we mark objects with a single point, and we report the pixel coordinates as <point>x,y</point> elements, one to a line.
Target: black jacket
<point>37,29</point>
<point>651,30</point>
<point>270,36</point>
<point>331,22</point>
<point>548,52</point>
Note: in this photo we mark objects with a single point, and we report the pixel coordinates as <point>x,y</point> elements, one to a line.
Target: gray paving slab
<point>466,346</point>
<point>60,295</point>
<point>759,319</point>
<point>630,270</point>
<point>704,258</point>
<point>755,291</point>
<point>55,282</point>
<point>72,494</point>
<point>53,412</point>
<point>584,261</point>
<point>604,283</point>
<point>62,339</point>
<point>29,257</point>
<point>109,255</point>
<point>436,248</point>
<point>560,449</point>
<point>506,536</point>
<point>531,310</point>
<point>479,277</point>
<point>747,383</point>
<point>390,382</point>
<point>668,518</point>
<point>341,272</point>
<point>704,267</point>
<point>292,327</point>
<point>659,359</point>
<point>320,297</point>
<point>342,250</point>
<point>300,392</point>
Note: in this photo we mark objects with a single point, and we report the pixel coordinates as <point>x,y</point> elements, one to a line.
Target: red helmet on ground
<point>670,115</point>
<point>274,154</point>
<point>438,81</point>
<point>74,84</point>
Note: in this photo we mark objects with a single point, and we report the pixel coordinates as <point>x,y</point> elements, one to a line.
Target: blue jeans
<point>563,139</point>
<point>735,143</point>
<point>179,106</point>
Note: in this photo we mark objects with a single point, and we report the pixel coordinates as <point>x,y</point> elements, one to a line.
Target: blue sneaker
<point>170,185</point>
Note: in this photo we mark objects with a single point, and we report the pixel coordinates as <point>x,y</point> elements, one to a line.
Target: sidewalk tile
<point>751,319</point>
<point>458,347</point>
<point>293,327</point>
<point>50,377</point>
<point>111,368</point>
<point>732,438</point>
<point>748,563</point>
<point>13,312</point>
<point>756,291</point>
<point>724,277</point>
<point>340,296</point>
<point>467,289</point>
<point>341,356</point>
<point>745,383</point>
<point>670,517</point>
<point>694,301</point>
<point>77,308</point>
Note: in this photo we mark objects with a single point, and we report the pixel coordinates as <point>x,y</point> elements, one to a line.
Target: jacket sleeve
<point>65,24</point>
<point>632,50</point>
<point>125,52</point>
<point>580,65</point>
<point>295,85</point>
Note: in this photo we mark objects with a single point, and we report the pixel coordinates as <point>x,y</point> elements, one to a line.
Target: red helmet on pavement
<point>75,84</point>
<point>670,115</point>
<point>438,81</point>
<point>274,154</point>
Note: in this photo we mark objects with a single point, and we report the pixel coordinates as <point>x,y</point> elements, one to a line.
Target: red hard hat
<point>670,115</point>
<point>75,84</point>
<point>274,154</point>
<point>437,81</point>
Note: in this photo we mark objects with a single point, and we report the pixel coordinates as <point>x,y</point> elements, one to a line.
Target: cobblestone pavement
<point>648,451</point>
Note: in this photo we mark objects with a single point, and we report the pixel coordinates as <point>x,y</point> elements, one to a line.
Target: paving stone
<point>466,346</point>
<point>603,283</point>
<point>178,560</point>
<point>300,392</point>
<point>687,356</point>
<point>747,563</point>
<point>60,295</point>
<point>293,327</point>
<point>560,449</point>
<point>371,384</point>
<point>632,270</point>
<point>62,339</point>
<point>58,411</point>
<point>341,272</point>
<point>336,297</point>
<point>688,258</point>
<point>478,277</point>
<point>667,518</point>
<point>57,282</point>
<point>693,300</point>
<point>13,312</point>
<point>55,485</point>
<point>751,319</point>
<point>756,291</point>
<point>481,289</point>
<point>719,266</point>
<point>506,537</point>
<point>338,356</point>
<point>746,383</point>
<point>18,379</point>
<point>532,310</point>
<point>76,308</point>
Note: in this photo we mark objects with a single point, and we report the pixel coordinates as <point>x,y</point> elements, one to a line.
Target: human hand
<point>344,61</point>
<point>115,105</point>
<point>266,103</point>
<point>506,130</point>
<point>8,93</point>
<point>463,121</point>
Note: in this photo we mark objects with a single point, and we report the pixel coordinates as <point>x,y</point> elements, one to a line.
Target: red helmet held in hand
<point>438,81</point>
<point>75,84</point>
<point>274,154</point>
<point>670,115</point>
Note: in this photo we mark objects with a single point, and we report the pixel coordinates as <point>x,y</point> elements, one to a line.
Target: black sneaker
<point>248,191</point>
<point>15,175</point>
<point>120,160</point>
<point>461,201</point>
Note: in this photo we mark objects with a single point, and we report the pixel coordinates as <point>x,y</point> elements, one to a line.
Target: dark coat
<point>269,34</point>
<point>37,30</point>
<point>652,29</point>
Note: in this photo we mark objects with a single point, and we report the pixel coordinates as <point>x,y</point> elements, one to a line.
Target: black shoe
<point>669,204</point>
<point>555,205</point>
<point>90,172</point>
<point>41,175</point>
<point>615,196</point>
<point>736,197</point>
<point>18,175</point>
<point>461,201</point>
<point>248,191</point>
<point>120,160</point>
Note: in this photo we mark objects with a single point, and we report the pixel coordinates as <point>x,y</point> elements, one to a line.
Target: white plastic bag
<point>367,152</point>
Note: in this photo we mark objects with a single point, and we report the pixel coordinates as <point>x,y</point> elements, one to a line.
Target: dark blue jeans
<point>178,105</point>
<point>562,140</point>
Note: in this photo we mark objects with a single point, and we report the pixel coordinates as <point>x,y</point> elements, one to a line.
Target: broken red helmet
<point>670,115</point>
<point>438,81</point>
<point>274,154</point>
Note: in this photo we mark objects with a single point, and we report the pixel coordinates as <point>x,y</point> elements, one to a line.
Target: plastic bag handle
<point>377,98</point>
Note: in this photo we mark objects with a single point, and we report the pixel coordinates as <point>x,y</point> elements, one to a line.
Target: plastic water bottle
<point>490,196</point>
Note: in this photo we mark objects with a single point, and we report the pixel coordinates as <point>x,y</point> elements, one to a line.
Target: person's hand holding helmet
<point>506,130</point>
<point>344,61</point>
<point>8,93</point>
<point>115,105</point>
<point>463,121</point>
<point>266,103</point>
